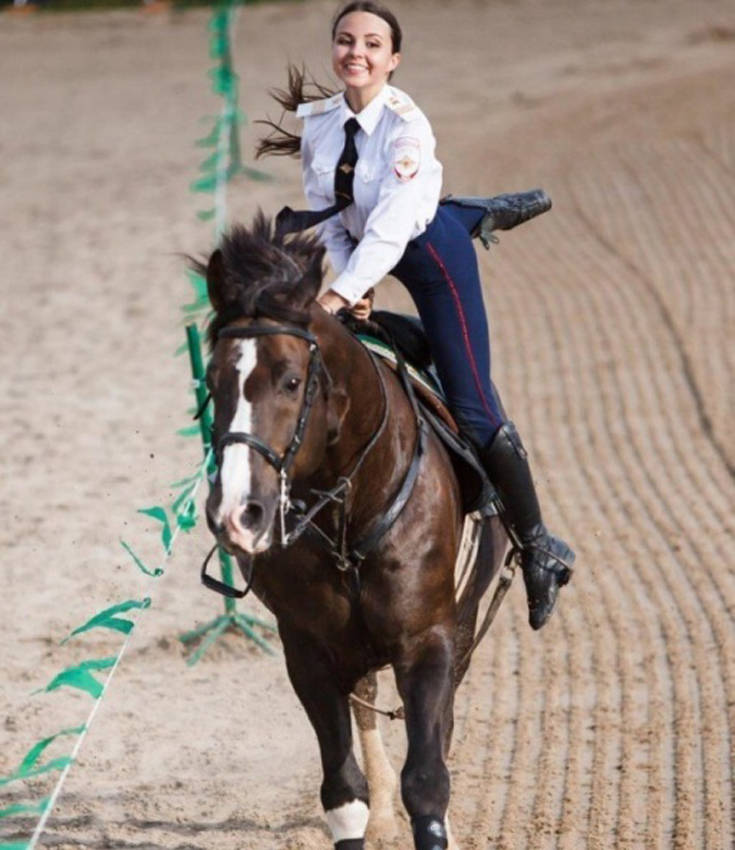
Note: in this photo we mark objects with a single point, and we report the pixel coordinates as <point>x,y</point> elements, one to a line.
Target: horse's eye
<point>292,384</point>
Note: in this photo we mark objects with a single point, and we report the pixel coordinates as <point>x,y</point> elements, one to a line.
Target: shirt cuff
<point>349,287</point>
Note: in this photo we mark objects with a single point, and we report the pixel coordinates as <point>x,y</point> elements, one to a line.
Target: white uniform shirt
<point>396,187</point>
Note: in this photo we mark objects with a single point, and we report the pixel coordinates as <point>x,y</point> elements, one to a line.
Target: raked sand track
<point>613,324</point>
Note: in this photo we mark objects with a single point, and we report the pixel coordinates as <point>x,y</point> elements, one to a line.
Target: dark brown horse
<point>345,513</point>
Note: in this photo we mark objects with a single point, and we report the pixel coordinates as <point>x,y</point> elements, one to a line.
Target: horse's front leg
<point>344,791</point>
<point>425,681</point>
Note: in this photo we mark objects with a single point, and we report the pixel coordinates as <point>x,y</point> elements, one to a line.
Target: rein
<point>347,558</point>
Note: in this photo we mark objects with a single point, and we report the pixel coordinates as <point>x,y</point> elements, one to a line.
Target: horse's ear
<point>311,282</point>
<point>216,280</point>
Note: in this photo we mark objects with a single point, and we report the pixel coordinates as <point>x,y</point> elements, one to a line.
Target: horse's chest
<point>310,600</point>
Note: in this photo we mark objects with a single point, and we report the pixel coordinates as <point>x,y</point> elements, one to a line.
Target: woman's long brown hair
<point>301,88</point>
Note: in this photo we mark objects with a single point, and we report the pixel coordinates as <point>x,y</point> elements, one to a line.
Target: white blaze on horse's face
<point>236,470</point>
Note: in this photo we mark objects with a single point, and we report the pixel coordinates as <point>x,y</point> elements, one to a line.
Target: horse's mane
<point>257,273</point>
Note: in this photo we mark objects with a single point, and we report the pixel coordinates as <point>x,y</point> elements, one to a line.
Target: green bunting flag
<point>158,513</point>
<point>29,766</point>
<point>107,620</point>
<point>25,808</point>
<point>79,677</point>
<point>139,564</point>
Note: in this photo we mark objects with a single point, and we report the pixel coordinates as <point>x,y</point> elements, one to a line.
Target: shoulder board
<point>402,105</point>
<point>317,107</point>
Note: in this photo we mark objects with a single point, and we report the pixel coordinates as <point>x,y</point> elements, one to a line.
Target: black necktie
<point>294,221</point>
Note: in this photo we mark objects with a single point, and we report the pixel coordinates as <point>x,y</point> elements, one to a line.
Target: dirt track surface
<point>613,320</point>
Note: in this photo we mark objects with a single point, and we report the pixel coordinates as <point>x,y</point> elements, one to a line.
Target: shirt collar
<point>368,118</point>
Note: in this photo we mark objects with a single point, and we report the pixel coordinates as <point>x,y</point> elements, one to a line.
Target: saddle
<point>400,341</point>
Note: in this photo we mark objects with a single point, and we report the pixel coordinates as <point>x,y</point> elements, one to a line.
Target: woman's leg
<point>440,271</point>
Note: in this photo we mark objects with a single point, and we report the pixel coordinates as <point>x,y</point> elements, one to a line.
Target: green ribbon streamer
<point>210,140</point>
<point>79,677</point>
<point>204,184</point>
<point>254,174</point>
<point>199,285</point>
<point>219,21</point>
<point>189,431</point>
<point>210,162</point>
<point>187,519</point>
<point>218,46</point>
<point>158,513</point>
<point>13,845</point>
<point>224,81</point>
<point>139,564</point>
<point>28,767</point>
<point>186,494</point>
<point>190,479</point>
<point>25,808</point>
<point>107,620</point>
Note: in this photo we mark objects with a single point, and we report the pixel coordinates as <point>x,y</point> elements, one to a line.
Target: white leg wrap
<point>348,821</point>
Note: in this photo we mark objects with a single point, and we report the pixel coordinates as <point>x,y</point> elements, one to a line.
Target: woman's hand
<point>364,306</point>
<point>332,302</point>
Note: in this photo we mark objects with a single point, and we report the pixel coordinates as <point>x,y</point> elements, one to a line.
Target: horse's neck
<point>371,400</point>
<point>354,373</point>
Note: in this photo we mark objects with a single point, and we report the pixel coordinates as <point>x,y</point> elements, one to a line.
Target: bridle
<point>346,559</point>
<point>281,463</point>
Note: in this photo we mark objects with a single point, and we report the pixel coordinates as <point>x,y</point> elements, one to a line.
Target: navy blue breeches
<point>439,269</point>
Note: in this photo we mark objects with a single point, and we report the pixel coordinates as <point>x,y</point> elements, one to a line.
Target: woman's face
<point>362,52</point>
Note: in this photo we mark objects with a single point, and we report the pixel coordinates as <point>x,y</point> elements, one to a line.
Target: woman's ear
<point>338,404</point>
<point>216,280</point>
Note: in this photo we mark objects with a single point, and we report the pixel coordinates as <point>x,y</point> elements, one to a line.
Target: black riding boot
<point>546,560</point>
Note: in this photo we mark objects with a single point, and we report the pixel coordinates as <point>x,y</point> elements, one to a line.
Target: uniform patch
<point>406,158</point>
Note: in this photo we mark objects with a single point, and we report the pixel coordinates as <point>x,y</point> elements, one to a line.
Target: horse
<point>345,514</point>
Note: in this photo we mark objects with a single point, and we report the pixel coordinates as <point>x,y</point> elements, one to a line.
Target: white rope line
<point>41,825</point>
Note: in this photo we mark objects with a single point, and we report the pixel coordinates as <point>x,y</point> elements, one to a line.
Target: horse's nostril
<point>252,515</point>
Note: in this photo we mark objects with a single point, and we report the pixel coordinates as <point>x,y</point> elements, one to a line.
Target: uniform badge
<point>406,158</point>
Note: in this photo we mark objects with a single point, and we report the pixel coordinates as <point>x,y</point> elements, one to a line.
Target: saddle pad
<point>427,388</point>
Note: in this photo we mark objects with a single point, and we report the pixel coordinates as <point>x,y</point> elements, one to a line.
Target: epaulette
<point>317,107</point>
<point>400,103</point>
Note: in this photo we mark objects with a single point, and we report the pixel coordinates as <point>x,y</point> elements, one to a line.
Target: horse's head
<point>274,412</point>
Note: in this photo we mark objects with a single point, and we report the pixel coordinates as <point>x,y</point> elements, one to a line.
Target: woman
<point>369,169</point>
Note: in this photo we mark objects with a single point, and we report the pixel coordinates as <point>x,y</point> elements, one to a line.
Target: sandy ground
<point>613,321</point>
